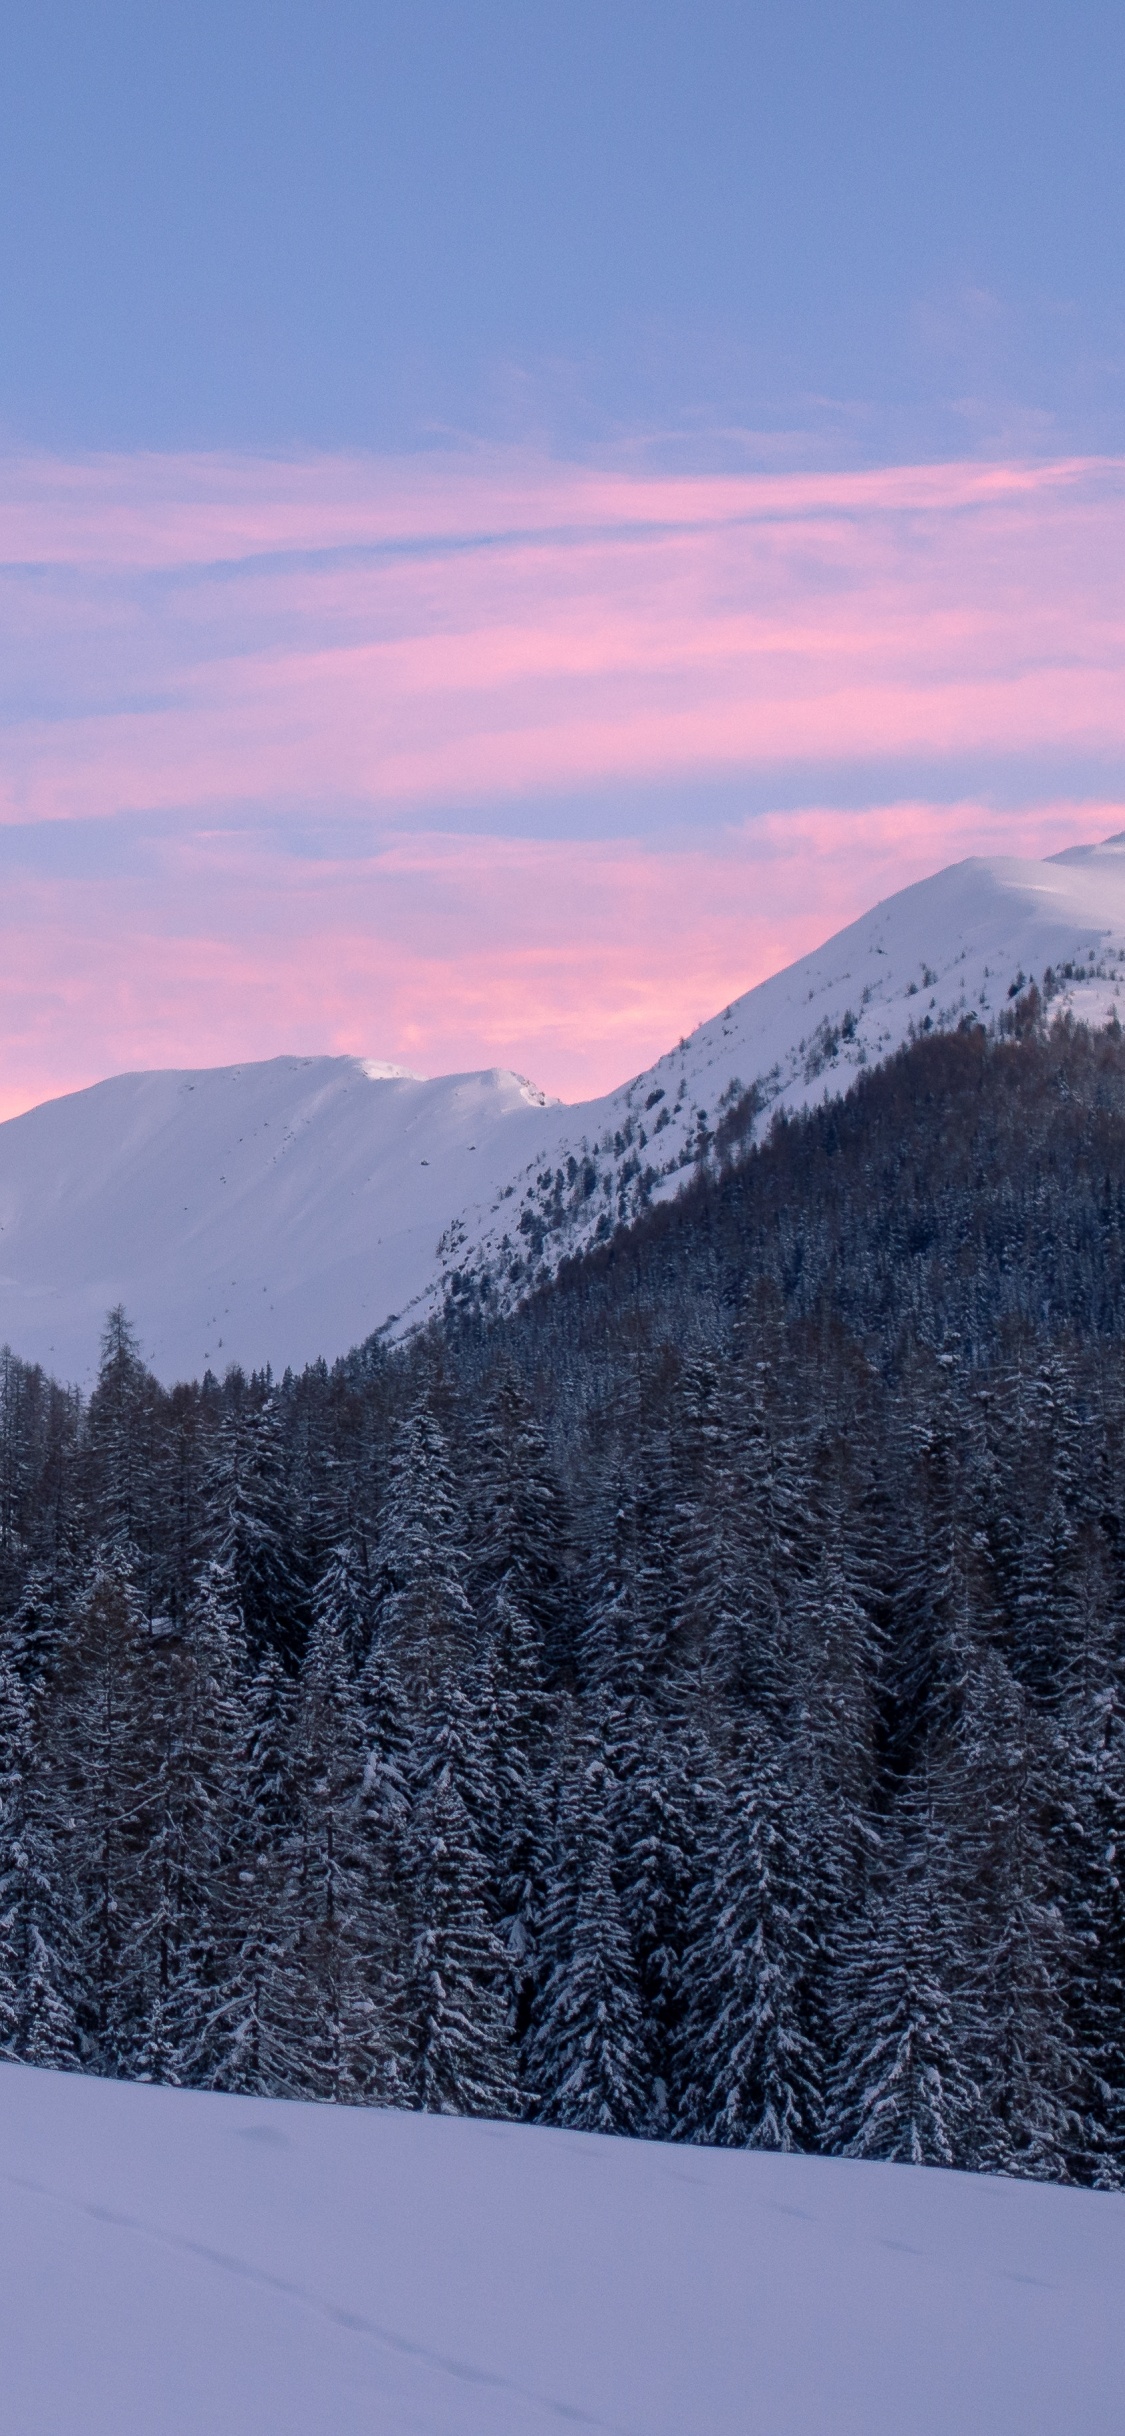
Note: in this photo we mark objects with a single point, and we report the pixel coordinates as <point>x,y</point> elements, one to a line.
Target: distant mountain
<point>276,1212</point>
<point>251,1214</point>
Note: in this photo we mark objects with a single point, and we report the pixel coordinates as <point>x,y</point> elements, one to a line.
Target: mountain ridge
<point>329,1199</point>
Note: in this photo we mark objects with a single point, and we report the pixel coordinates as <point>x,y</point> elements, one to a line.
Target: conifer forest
<point>692,1706</point>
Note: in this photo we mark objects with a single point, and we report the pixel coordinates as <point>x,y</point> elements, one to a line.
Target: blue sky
<point>714,231</point>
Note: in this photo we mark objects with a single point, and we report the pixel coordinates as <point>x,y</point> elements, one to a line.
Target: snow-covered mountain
<point>965,943</point>
<point>277,1212</point>
<point>178,2264</point>
<point>255,1213</point>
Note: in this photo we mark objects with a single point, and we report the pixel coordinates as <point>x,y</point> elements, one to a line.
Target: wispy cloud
<point>303,711</point>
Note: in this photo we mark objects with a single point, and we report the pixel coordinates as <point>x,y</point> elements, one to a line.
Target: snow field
<point>177,2264</point>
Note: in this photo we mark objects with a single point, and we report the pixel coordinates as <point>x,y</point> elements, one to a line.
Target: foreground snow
<point>278,1212</point>
<point>181,2265</point>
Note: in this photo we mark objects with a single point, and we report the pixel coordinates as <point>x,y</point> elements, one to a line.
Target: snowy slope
<point>174,2264</point>
<point>277,1212</point>
<point>959,944</point>
<point>251,1213</point>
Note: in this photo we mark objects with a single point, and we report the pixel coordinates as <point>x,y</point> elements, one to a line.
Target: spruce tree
<point>906,2017</point>
<point>37,1631</point>
<point>585,2060</point>
<point>519,1524</point>
<point>122,1448</point>
<point>1007,1793</point>
<point>722,1587</point>
<point>196,1699</point>
<point>341,1595</point>
<point>507,1737</point>
<point>424,1612</point>
<point>753,2072</point>
<point>256,2032</point>
<point>944,1600</point>
<point>39,1951</point>
<point>1093,1741</point>
<point>460,2055</point>
<point>253,1529</point>
<point>344,1947</point>
<point>103,1732</point>
<point>665,1793</point>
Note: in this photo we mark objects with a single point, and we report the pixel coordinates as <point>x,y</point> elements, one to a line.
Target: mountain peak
<point>377,1070</point>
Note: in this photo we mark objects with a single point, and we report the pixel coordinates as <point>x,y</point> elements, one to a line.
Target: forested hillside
<point>694,1706</point>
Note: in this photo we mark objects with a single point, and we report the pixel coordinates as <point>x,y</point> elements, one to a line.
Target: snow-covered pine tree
<point>743,1524</point>
<point>102,1734</point>
<point>254,1532</point>
<point>517,1544</point>
<point>388,1742</point>
<point>717,1600</point>
<point>197,1736</point>
<point>256,2030</point>
<point>424,1613</point>
<point>906,2018</point>
<point>386,1798</point>
<point>330,1459</point>
<point>37,1630</point>
<point>519,1523</point>
<point>1005,1792</point>
<point>666,1790</point>
<point>183,1453</point>
<point>944,1598</point>
<point>342,1596</point>
<point>621,1628</point>
<point>39,1961</point>
<point>509,1718</point>
<point>752,2071</point>
<point>1092,1728</point>
<point>16,1465</point>
<point>585,2049</point>
<point>827,1687</point>
<point>1061,1567</point>
<point>122,1441</point>
<point>56,1520</point>
<point>460,2058</point>
<point>346,1944</point>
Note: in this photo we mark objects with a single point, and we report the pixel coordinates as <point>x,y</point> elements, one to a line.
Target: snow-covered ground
<point>174,2264</point>
<point>277,1212</point>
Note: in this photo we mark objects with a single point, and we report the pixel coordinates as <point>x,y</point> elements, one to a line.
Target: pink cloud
<point>161,511</point>
<point>575,962</point>
<point>620,630</point>
<point>383,644</point>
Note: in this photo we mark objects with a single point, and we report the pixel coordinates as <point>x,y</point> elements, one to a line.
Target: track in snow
<point>173,2264</point>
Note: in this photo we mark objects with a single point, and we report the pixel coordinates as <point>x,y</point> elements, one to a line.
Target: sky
<point>517,522</point>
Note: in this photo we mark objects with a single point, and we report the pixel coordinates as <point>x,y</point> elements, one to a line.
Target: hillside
<point>182,2265</point>
<point>967,943</point>
<point>252,1214</point>
<point>968,1188</point>
<point>693,1704</point>
<point>276,1213</point>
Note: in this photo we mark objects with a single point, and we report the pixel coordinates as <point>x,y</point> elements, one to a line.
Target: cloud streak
<point>286,685</point>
